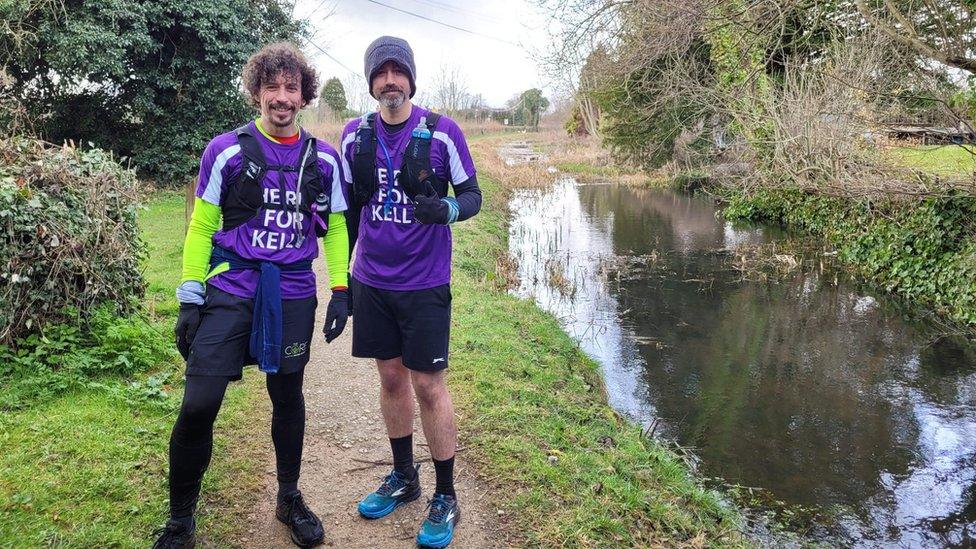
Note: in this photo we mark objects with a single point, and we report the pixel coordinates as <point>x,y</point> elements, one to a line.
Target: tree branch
<point>957,61</point>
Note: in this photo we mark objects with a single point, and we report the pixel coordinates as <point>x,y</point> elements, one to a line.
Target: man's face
<point>281,99</point>
<point>391,85</point>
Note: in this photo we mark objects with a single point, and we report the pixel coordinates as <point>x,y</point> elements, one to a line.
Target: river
<point>803,384</point>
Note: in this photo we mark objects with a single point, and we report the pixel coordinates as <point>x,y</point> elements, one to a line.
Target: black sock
<point>286,489</point>
<point>403,456</point>
<point>444,469</point>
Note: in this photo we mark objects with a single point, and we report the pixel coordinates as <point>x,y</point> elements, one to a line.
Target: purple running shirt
<point>395,252</point>
<point>271,235</point>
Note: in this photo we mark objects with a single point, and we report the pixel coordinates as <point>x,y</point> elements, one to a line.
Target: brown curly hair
<point>274,59</point>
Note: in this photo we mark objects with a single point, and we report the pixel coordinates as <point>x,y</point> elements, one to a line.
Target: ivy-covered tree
<point>334,96</point>
<point>153,80</point>
<point>528,107</point>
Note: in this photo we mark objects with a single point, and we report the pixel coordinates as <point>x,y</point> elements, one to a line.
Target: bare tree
<point>943,31</point>
<point>450,89</point>
<point>784,91</point>
<point>358,98</point>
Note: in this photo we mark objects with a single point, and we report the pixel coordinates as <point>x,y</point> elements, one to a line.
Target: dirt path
<point>344,433</point>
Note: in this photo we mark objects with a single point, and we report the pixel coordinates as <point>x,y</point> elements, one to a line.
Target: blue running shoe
<point>437,531</point>
<point>394,492</point>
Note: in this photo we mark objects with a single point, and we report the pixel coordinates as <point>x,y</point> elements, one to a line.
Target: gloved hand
<point>430,210</point>
<point>336,315</point>
<point>186,327</point>
<point>190,295</point>
<point>414,186</point>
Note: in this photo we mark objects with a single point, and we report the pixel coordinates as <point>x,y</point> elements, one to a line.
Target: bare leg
<point>436,413</point>
<point>396,402</point>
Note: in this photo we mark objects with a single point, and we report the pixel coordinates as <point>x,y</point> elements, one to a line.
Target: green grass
<point>526,392</point>
<point>162,227</point>
<point>582,168</point>
<point>88,468</point>
<point>943,160</point>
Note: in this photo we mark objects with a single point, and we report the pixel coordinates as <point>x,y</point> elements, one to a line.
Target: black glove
<point>414,186</point>
<point>430,210</point>
<point>186,327</point>
<point>337,313</point>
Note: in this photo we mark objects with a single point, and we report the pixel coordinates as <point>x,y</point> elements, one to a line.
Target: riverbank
<point>919,247</point>
<point>569,471</point>
<point>86,464</point>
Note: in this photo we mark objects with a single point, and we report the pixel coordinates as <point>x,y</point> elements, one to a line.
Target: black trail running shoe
<point>306,528</point>
<point>174,536</point>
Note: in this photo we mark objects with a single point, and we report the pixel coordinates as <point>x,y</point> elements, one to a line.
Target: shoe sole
<point>442,544</point>
<point>387,511</point>
<point>295,540</point>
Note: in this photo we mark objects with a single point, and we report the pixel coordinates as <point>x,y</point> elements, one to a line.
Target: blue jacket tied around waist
<point>266,331</point>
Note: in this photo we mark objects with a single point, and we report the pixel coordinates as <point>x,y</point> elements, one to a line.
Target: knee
<point>394,377</point>
<point>288,405</point>
<point>286,394</point>
<point>198,411</point>
<point>195,421</point>
<point>429,387</point>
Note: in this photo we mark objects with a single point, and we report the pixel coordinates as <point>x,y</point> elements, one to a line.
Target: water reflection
<point>807,388</point>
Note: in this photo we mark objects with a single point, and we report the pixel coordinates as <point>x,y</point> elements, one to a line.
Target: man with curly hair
<point>402,161</point>
<point>247,293</point>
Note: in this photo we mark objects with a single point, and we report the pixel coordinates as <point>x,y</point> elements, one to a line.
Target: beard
<point>287,119</point>
<point>393,101</point>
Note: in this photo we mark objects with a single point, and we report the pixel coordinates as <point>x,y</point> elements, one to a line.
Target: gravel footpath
<point>344,440</point>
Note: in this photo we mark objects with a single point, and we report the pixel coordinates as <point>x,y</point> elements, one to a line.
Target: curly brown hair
<point>274,59</point>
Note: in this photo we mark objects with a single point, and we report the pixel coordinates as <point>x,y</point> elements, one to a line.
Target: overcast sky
<point>495,56</point>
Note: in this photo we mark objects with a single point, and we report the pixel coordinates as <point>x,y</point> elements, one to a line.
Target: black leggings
<point>191,443</point>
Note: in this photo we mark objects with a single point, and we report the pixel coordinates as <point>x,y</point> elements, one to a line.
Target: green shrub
<point>72,355</point>
<point>70,239</point>
<point>922,250</point>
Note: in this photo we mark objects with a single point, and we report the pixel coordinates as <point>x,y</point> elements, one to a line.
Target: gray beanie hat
<point>389,48</point>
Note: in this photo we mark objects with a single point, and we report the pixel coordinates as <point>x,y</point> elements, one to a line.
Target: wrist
<point>453,209</point>
<point>190,292</point>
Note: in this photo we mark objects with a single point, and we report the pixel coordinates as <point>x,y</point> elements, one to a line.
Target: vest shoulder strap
<point>254,165</point>
<point>364,182</point>
<point>309,147</point>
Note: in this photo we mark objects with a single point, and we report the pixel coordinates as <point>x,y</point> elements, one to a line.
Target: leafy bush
<point>70,239</point>
<point>73,354</point>
<point>921,250</point>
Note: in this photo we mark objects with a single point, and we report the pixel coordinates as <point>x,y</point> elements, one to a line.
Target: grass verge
<point>943,160</point>
<point>570,471</point>
<point>87,467</point>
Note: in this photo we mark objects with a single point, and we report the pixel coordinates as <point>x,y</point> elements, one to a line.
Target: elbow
<point>475,205</point>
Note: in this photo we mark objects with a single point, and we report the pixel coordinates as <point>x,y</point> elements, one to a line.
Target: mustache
<point>281,105</point>
<point>391,87</point>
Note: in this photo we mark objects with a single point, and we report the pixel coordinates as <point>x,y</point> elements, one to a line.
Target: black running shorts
<point>222,344</point>
<point>413,324</point>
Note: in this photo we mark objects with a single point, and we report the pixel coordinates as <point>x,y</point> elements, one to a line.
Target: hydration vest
<point>415,159</point>
<point>244,198</point>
